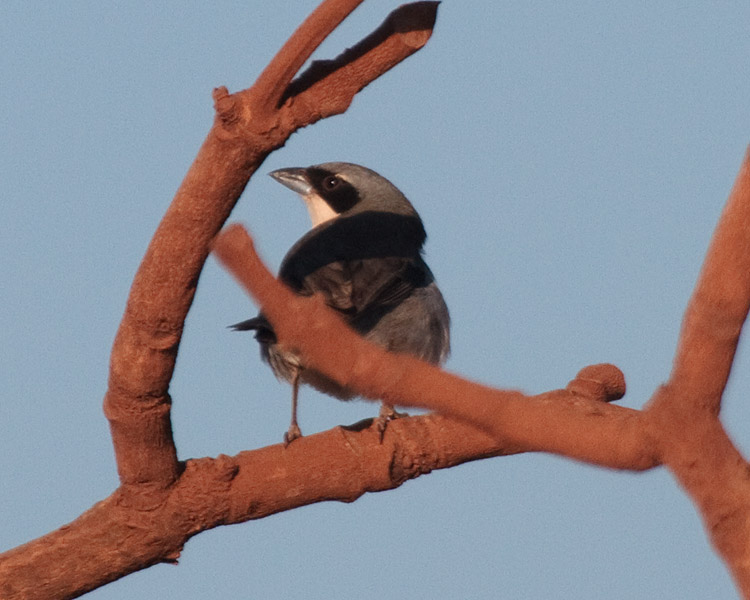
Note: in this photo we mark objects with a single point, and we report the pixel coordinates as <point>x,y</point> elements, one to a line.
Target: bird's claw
<point>387,413</point>
<point>291,435</point>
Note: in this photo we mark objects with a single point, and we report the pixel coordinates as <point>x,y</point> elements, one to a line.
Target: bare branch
<point>719,305</point>
<point>154,511</point>
<point>573,422</point>
<point>328,87</point>
<point>116,537</point>
<point>276,77</point>
<point>679,428</point>
<point>245,132</point>
<point>685,412</point>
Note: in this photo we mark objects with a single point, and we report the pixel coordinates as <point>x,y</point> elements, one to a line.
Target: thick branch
<point>693,443</point>
<point>115,538</point>
<point>718,308</point>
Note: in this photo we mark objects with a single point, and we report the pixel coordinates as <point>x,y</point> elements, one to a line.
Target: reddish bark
<point>531,423</point>
<point>137,526</point>
<point>693,443</point>
<point>679,427</point>
<point>162,502</point>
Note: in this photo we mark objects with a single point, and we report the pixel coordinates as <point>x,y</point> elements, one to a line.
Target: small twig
<point>276,77</point>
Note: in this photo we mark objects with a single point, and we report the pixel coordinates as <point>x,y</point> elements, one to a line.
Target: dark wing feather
<point>363,263</point>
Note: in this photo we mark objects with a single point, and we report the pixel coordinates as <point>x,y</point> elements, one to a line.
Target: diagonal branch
<point>679,428</point>
<point>573,422</point>
<point>693,443</point>
<point>111,539</point>
<point>719,305</point>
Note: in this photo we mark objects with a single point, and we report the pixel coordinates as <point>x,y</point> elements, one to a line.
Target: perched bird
<point>364,256</point>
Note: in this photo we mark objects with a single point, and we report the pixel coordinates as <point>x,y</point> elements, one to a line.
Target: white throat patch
<point>319,210</point>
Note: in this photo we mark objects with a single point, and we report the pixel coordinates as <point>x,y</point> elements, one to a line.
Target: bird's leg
<point>294,431</point>
<point>387,413</point>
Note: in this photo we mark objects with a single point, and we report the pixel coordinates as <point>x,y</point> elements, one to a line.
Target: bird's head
<point>335,189</point>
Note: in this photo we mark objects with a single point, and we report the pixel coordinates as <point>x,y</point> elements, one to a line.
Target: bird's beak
<point>294,178</point>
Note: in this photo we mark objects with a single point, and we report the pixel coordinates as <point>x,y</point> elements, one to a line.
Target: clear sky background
<point>569,160</point>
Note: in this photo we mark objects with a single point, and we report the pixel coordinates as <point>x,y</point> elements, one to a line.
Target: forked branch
<point>248,127</point>
<point>149,518</point>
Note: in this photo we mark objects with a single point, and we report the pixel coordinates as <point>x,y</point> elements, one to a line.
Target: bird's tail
<point>253,324</point>
<point>264,333</point>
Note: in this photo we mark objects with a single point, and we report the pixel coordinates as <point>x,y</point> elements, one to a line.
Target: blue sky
<point>569,162</point>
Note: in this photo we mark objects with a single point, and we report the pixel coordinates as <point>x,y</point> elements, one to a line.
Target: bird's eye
<point>330,182</point>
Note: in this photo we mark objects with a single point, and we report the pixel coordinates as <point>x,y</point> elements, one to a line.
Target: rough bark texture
<point>138,526</point>
<point>163,501</point>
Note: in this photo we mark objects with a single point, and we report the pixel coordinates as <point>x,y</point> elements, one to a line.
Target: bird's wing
<point>351,286</point>
<point>357,263</point>
<point>384,281</point>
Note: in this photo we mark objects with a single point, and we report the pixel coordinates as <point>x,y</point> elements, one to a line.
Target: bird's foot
<point>291,435</point>
<point>387,413</point>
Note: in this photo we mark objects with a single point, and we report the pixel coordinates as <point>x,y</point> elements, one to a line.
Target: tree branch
<point>679,427</point>
<point>122,533</point>
<point>718,308</point>
<point>275,79</point>
<point>574,422</point>
<point>117,537</point>
<point>246,130</point>
<point>693,443</point>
